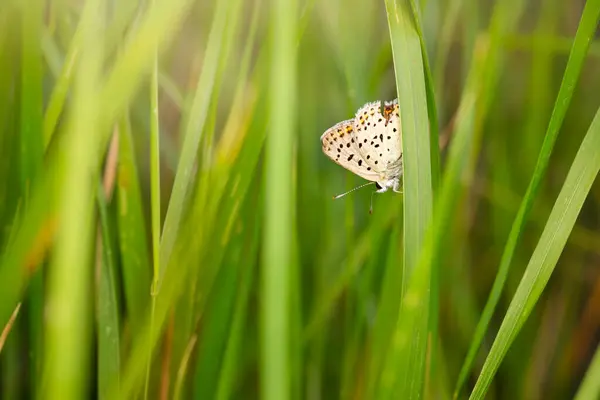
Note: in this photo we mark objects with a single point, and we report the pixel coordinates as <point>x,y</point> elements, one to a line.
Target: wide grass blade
<point>410,83</point>
<point>403,371</point>
<point>275,375</point>
<point>583,37</point>
<point>65,373</point>
<point>418,190</point>
<point>582,174</point>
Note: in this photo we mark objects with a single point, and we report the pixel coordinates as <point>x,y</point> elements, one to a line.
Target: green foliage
<point>166,223</point>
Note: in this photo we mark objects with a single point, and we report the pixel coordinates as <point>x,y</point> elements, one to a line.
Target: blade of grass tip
<point>579,180</point>
<point>590,386</point>
<point>275,369</point>
<point>108,331</point>
<point>192,133</point>
<point>154,196</point>
<point>31,158</point>
<point>585,32</point>
<point>68,301</point>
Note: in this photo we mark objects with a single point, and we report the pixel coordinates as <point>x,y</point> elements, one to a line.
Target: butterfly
<point>369,145</point>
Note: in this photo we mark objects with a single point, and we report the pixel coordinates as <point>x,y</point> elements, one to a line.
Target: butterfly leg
<point>396,187</point>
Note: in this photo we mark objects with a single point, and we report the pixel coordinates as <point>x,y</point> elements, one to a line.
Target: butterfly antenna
<point>352,190</point>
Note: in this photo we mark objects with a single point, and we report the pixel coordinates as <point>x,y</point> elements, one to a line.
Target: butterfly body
<point>369,145</point>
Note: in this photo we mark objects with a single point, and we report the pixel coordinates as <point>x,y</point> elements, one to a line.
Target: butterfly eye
<point>378,186</point>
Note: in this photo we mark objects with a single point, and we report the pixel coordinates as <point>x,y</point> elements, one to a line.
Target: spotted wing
<point>338,144</point>
<point>378,137</point>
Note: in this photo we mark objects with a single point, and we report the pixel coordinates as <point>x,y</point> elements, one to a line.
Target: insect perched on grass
<point>370,145</point>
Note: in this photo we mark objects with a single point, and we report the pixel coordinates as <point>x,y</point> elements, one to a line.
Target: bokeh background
<point>166,222</point>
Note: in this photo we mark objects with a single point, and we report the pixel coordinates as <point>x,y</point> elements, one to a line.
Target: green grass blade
<point>217,322</point>
<point>107,328</point>
<point>590,387</point>
<point>232,356</point>
<point>65,373</point>
<point>584,34</point>
<point>227,382</point>
<point>410,83</point>
<point>63,81</point>
<point>135,261</point>
<point>154,196</point>
<point>192,133</point>
<point>435,182</point>
<point>432,112</point>
<point>275,371</point>
<point>31,158</point>
<point>32,73</point>
<point>418,187</point>
<point>402,375</point>
<point>385,322</point>
<point>583,171</point>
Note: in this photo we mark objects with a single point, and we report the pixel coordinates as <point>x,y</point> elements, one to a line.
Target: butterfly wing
<point>378,137</point>
<point>338,144</point>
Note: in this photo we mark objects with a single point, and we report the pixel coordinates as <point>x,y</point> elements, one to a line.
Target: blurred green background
<point>166,222</point>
